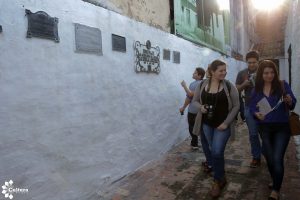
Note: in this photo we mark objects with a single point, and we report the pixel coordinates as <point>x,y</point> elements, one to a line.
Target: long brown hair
<point>276,88</point>
<point>215,64</point>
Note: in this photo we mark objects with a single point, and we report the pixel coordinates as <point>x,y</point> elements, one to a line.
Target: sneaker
<point>217,187</point>
<point>255,163</point>
<point>195,147</point>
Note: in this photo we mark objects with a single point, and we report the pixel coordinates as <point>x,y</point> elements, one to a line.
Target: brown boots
<point>217,187</point>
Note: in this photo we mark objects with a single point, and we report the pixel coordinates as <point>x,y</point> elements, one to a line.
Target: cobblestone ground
<point>178,176</point>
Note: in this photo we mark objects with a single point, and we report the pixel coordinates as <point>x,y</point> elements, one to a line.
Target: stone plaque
<point>167,54</point>
<point>88,39</point>
<point>147,57</point>
<point>176,57</point>
<point>118,43</point>
<point>40,24</point>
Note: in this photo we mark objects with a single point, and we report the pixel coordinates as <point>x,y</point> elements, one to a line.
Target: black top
<point>218,104</point>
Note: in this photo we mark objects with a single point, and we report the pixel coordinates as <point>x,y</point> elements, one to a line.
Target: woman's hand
<point>260,116</point>
<point>222,127</point>
<point>288,99</point>
<point>203,109</point>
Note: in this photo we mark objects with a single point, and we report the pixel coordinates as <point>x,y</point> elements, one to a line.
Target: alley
<point>178,175</point>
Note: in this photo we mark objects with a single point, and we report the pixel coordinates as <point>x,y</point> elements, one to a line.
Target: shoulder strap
<point>228,85</point>
<point>283,93</point>
<point>282,87</point>
<point>201,84</point>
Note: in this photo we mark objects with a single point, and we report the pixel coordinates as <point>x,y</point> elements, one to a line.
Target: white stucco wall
<point>72,123</point>
<point>292,35</point>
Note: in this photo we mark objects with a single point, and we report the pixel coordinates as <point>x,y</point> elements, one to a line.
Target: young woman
<point>273,126</point>
<point>218,103</point>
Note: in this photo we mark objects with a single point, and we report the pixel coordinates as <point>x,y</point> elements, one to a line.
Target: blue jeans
<point>275,139</point>
<point>253,134</point>
<point>217,142</point>
<point>194,142</point>
<point>205,148</point>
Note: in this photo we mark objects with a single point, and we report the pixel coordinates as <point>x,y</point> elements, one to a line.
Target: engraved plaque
<point>146,57</point>
<point>88,39</point>
<point>167,54</point>
<point>176,57</point>
<point>118,43</point>
<point>40,24</point>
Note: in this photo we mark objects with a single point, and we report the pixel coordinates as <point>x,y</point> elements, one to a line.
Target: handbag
<point>294,121</point>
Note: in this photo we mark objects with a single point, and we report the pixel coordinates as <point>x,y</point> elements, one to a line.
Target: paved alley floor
<point>178,175</point>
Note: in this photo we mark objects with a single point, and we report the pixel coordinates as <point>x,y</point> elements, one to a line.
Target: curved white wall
<point>73,123</point>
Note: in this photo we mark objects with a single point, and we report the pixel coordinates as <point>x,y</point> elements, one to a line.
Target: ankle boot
<point>217,186</point>
<point>274,195</point>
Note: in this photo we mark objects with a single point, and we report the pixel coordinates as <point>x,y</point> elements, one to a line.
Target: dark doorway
<point>290,64</point>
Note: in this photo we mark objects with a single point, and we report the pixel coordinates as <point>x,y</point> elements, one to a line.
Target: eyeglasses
<point>252,63</point>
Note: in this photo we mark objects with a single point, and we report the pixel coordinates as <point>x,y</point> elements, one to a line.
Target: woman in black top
<point>218,101</point>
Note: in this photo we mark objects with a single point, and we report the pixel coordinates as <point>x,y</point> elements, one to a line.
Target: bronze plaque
<point>41,25</point>
<point>176,57</point>
<point>88,39</point>
<point>167,54</point>
<point>118,43</point>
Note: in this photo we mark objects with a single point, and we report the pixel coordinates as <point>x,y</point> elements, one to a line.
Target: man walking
<point>245,82</point>
<point>198,75</point>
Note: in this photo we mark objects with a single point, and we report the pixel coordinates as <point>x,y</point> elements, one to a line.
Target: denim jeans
<point>194,142</point>
<point>217,142</point>
<point>253,134</point>
<point>275,139</point>
<point>205,148</point>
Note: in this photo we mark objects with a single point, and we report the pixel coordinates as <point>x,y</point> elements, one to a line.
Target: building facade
<point>291,70</point>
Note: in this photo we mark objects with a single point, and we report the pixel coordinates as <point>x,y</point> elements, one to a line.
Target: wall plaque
<point>167,54</point>
<point>118,43</point>
<point>176,57</point>
<point>147,57</point>
<point>40,24</point>
<point>88,39</point>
